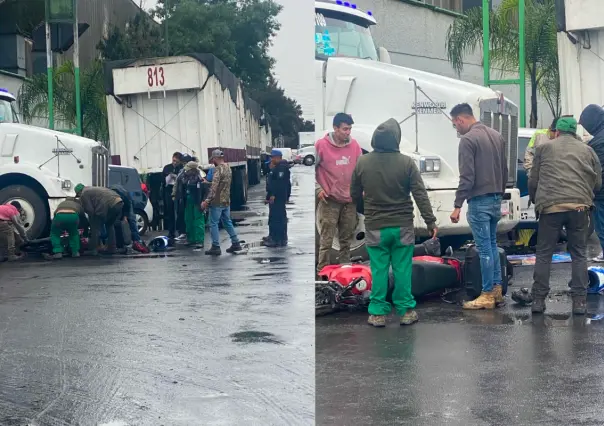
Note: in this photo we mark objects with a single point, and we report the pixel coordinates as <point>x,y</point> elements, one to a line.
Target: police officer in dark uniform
<point>278,190</point>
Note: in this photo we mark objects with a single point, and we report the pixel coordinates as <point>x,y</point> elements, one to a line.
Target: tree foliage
<point>22,15</point>
<point>33,99</point>
<point>541,55</point>
<point>239,33</point>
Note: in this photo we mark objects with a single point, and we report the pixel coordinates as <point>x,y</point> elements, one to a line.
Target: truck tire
<point>239,188</point>
<point>36,217</point>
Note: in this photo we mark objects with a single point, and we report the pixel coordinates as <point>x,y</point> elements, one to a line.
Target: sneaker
<point>56,256</point>
<point>409,318</point>
<point>234,248</point>
<point>214,251</point>
<point>198,246</point>
<point>377,320</point>
<point>598,258</point>
<point>181,237</point>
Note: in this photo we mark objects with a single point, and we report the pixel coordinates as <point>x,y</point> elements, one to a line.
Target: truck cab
<point>40,167</point>
<point>353,76</point>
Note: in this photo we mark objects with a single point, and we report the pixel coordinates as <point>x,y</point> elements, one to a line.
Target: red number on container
<point>155,76</point>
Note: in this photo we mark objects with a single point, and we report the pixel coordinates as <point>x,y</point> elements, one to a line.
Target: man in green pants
<point>66,218</point>
<point>385,180</point>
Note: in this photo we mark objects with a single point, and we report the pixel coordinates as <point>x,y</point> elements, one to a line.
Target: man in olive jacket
<point>385,179</point>
<point>566,173</point>
<point>103,207</point>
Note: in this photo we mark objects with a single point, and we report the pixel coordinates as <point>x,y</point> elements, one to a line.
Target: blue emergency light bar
<point>350,5</point>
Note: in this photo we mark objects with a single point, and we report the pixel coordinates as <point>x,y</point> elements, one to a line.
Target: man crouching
<point>67,218</point>
<point>385,179</point>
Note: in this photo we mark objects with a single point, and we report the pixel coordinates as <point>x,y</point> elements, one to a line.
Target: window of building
<point>453,5</point>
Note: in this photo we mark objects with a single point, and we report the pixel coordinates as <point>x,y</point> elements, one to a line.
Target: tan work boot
<point>377,320</point>
<point>498,295</point>
<point>409,318</point>
<point>486,300</point>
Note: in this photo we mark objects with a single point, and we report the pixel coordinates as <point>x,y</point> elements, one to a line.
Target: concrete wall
<point>415,36</point>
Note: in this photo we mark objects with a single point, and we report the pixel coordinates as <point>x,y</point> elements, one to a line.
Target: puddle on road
<point>267,260</point>
<point>252,336</point>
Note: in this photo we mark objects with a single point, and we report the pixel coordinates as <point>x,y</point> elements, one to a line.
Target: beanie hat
<point>567,124</point>
<point>79,188</point>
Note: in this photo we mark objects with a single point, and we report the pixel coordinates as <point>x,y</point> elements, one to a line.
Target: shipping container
<point>190,104</point>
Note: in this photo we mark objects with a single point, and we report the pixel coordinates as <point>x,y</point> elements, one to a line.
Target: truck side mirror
<point>384,55</point>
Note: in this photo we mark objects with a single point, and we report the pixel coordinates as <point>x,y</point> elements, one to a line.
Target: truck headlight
<point>66,184</point>
<point>429,165</point>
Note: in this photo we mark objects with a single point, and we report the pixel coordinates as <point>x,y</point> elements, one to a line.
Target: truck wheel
<point>239,188</point>
<point>35,217</point>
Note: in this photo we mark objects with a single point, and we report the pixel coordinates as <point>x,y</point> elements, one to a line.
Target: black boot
<point>538,306</point>
<point>235,247</point>
<point>579,305</point>
<point>214,251</point>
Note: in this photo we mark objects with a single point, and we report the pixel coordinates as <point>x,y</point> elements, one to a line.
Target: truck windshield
<point>341,34</point>
<point>7,114</point>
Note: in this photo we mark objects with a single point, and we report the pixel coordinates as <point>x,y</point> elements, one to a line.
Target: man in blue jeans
<point>483,174</point>
<point>219,202</point>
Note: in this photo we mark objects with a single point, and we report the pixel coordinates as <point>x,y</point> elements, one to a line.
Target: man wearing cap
<point>10,221</point>
<point>219,203</point>
<point>566,173</point>
<point>337,156</point>
<point>103,207</point>
<point>278,189</point>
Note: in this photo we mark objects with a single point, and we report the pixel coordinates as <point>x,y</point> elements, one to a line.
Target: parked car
<point>129,178</point>
<point>306,156</point>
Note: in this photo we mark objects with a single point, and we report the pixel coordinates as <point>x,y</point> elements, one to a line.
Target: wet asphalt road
<point>499,367</point>
<point>179,340</point>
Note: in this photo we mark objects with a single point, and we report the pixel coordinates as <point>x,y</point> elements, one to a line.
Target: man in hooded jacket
<point>278,189</point>
<point>592,120</point>
<point>385,179</point>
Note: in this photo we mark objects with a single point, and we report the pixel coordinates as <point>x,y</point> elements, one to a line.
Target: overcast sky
<point>293,49</point>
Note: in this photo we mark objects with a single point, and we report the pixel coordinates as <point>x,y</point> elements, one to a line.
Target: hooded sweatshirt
<point>388,179</point>
<point>335,166</point>
<point>592,119</point>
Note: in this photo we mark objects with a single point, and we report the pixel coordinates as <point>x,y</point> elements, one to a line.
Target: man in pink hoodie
<point>337,156</point>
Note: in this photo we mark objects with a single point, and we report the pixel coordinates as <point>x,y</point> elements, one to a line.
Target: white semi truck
<point>353,76</point>
<point>191,104</point>
<point>40,167</point>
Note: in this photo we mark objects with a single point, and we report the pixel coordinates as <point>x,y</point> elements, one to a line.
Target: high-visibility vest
<point>532,141</point>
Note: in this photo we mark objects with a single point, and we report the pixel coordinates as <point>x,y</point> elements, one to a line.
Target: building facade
<point>415,33</point>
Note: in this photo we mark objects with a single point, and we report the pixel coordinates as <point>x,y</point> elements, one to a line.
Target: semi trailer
<point>191,104</point>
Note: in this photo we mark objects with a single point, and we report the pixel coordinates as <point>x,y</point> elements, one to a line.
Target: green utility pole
<point>521,80</point>
<point>76,66</point>
<point>51,115</point>
<point>63,11</point>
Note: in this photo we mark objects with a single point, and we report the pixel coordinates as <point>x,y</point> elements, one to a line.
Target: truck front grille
<point>100,166</point>
<point>507,125</point>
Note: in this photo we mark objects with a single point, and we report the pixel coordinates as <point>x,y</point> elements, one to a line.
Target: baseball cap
<point>567,124</point>
<point>217,153</point>
<point>276,153</point>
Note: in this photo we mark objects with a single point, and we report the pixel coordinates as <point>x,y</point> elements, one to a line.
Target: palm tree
<point>33,99</point>
<point>541,52</point>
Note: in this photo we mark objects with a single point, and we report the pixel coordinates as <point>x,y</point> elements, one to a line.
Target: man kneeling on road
<point>67,218</point>
<point>103,207</point>
<point>10,220</point>
<point>566,173</point>
<point>387,178</point>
